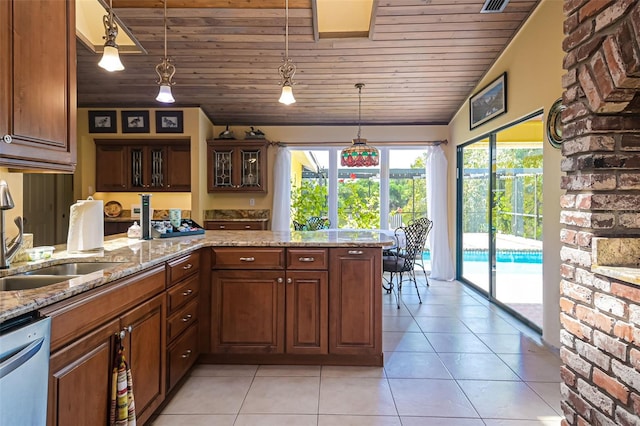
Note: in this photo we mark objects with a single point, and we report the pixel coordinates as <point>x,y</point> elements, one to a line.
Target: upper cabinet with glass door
<point>238,166</point>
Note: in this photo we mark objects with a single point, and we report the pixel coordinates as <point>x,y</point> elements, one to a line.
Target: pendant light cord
<point>286,29</point>
<point>165,29</point>
<point>359,107</point>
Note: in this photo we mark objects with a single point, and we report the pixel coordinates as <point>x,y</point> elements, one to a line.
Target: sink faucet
<point>8,251</point>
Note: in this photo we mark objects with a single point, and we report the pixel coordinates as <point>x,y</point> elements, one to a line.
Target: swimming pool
<point>507,256</point>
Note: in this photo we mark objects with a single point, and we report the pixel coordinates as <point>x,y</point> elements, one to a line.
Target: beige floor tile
<point>477,367</point>
<point>405,342</point>
<point>288,371</point>
<point>351,371</point>
<point>441,325</point>
<point>505,400</point>
<point>456,342</point>
<point>430,397</point>
<point>337,420</point>
<point>360,396</point>
<point>542,421</point>
<point>550,392</point>
<point>512,343</point>
<point>194,420</point>
<point>439,421</point>
<point>282,395</point>
<point>403,324</point>
<point>277,420</point>
<point>542,367</point>
<point>209,395</point>
<point>217,370</point>
<point>415,365</point>
<point>493,325</point>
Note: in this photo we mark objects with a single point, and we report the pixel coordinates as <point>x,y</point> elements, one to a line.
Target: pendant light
<point>359,154</point>
<point>110,59</point>
<point>165,70</point>
<point>288,68</point>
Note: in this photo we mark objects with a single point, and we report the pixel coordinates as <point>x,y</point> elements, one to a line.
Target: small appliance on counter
<point>145,216</point>
<point>86,226</point>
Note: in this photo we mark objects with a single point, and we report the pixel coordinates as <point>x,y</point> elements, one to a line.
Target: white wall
<point>533,62</point>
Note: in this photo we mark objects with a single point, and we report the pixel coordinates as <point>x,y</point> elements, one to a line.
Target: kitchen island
<point>222,297</point>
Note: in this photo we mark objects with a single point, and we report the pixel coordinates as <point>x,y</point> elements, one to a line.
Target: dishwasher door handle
<point>20,357</point>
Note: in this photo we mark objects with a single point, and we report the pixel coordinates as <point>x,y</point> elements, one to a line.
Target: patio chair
<point>395,220</point>
<point>400,262</point>
<point>316,222</point>
<point>297,226</point>
<point>427,224</point>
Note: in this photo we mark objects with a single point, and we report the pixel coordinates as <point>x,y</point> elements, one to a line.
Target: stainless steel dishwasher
<point>24,371</point>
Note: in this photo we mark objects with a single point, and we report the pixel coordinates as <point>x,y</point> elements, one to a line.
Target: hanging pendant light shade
<point>110,58</point>
<point>165,70</point>
<point>359,154</point>
<point>288,68</point>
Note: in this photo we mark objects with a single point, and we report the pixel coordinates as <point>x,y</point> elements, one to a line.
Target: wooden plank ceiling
<point>421,61</point>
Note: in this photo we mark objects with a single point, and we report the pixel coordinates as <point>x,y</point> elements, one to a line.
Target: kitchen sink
<point>27,282</point>
<point>78,268</point>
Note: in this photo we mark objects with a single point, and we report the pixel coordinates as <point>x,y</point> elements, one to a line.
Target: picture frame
<point>489,102</point>
<point>103,122</point>
<point>135,121</point>
<point>169,121</point>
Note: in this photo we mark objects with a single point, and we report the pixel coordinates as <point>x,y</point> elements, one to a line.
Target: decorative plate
<point>554,124</point>
<point>112,209</point>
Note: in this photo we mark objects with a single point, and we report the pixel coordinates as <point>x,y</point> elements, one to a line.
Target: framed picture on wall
<point>169,121</point>
<point>489,102</point>
<point>135,121</point>
<point>102,122</point>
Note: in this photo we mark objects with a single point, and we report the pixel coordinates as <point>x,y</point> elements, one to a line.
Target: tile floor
<point>455,360</point>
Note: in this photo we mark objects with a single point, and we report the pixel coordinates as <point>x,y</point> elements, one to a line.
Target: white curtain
<point>436,172</point>
<point>280,214</point>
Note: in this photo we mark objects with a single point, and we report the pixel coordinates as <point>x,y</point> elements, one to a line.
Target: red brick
<point>583,201</point>
<point>624,331</point>
<point>575,256</point>
<point>590,86</point>
<point>630,142</point>
<point>610,385</point>
<point>626,291</point>
<point>567,376</point>
<point>610,345</point>
<point>588,143</point>
<point>614,202</point>
<point>576,291</point>
<point>626,39</point>
<point>568,236</point>
<point>567,201</point>
<point>625,418</point>
<point>610,15</point>
<point>589,181</point>
<point>629,181</point>
<point>568,164</point>
<point>626,373</point>
<point>583,239</point>
<point>570,95</point>
<point>595,396</point>
<point>593,355</point>
<point>576,402</point>
<point>634,314</point>
<point>570,6</point>
<point>584,277</point>
<point>574,327</point>
<point>610,304</point>
<point>566,305</point>
<point>629,220</point>
<point>576,362</point>
<point>591,8</point>
<point>577,36</point>
<point>634,358</point>
<point>617,66</point>
<point>567,271</point>
<point>602,284</point>
<point>600,72</point>
<point>570,78</point>
<point>594,318</point>
<point>635,402</point>
<point>567,339</point>
<point>575,218</point>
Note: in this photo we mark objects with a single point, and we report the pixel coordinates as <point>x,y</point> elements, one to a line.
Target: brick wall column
<point>601,157</point>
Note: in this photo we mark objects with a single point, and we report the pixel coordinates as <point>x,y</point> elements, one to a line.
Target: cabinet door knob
<point>186,354</point>
<point>247,259</point>
<point>306,259</point>
<point>186,318</point>
<point>187,266</point>
<point>356,252</point>
<point>280,280</point>
<point>289,280</point>
<point>7,139</point>
<point>188,292</point>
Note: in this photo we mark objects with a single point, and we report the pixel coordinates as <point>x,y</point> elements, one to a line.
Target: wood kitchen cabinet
<point>83,343</point>
<point>239,166</point>
<point>231,225</point>
<point>355,317</point>
<point>143,165</point>
<point>259,307</point>
<point>38,85</point>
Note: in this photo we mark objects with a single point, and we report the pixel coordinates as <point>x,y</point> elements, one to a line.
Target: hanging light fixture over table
<point>165,70</point>
<point>359,154</point>
<point>110,58</point>
<point>288,68</point>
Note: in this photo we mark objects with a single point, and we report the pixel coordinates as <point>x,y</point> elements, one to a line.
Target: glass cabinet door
<point>223,169</point>
<point>250,174</point>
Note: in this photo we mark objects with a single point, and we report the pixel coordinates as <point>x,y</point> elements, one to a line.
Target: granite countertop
<point>135,255</point>
<point>238,219</point>
<point>617,258</point>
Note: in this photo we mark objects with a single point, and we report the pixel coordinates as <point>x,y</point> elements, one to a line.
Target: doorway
<point>47,199</point>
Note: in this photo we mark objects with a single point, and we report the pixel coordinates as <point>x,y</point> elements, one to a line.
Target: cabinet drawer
<point>248,258</point>
<point>182,354</point>
<point>183,292</point>
<point>235,226</point>
<point>307,258</point>
<point>182,319</point>
<point>183,267</point>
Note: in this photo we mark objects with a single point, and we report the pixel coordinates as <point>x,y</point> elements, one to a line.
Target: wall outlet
<point>252,201</point>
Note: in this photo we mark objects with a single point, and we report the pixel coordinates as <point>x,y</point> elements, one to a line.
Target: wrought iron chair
<point>297,226</point>
<point>401,262</point>
<point>316,222</point>
<point>427,224</point>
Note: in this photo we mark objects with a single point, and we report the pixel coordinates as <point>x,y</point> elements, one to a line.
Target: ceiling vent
<point>494,6</point>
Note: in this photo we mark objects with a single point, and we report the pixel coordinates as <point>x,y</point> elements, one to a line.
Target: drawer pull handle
<point>306,259</point>
<point>356,252</point>
<point>222,226</point>
<point>188,292</point>
<point>124,331</point>
<point>186,318</point>
<point>187,354</point>
<point>247,227</point>
<point>247,259</point>
<point>187,266</point>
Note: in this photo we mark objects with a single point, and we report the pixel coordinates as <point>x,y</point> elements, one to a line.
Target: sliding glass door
<point>500,217</point>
